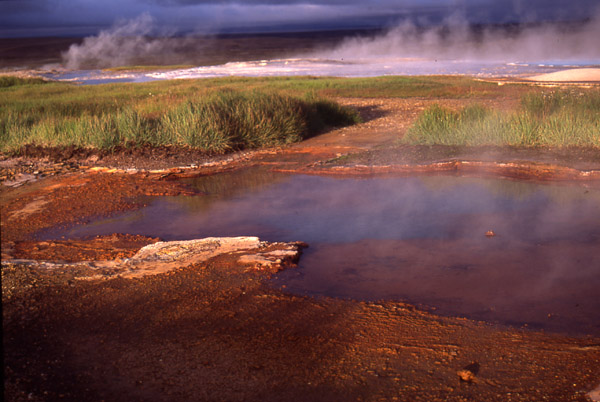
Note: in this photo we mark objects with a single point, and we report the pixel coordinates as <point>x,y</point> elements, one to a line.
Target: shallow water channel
<point>418,239</point>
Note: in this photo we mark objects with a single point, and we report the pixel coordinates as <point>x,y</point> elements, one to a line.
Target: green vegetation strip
<point>223,114</point>
<point>212,116</point>
<point>559,118</point>
<point>10,81</point>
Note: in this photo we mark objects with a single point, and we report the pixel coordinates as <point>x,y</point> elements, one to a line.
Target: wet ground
<point>214,331</point>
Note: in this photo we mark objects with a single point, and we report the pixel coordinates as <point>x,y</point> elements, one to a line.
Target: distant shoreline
<point>36,52</point>
<point>222,47</point>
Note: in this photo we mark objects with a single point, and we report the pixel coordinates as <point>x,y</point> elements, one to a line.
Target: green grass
<point>11,81</point>
<point>219,115</point>
<point>233,120</point>
<point>378,87</point>
<point>285,109</point>
<point>216,119</point>
<point>559,118</point>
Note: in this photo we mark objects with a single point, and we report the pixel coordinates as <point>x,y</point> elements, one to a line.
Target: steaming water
<point>453,46</point>
<point>417,239</point>
<point>366,67</point>
<point>326,67</point>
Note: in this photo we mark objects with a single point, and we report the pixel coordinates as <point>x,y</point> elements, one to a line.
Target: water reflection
<point>214,188</point>
<point>420,239</point>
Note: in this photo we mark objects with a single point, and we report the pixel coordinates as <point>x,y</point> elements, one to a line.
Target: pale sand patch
<point>571,75</point>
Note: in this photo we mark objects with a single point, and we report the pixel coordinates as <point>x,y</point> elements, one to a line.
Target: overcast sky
<point>85,17</point>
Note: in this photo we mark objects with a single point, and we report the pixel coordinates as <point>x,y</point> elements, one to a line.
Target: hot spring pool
<point>416,239</point>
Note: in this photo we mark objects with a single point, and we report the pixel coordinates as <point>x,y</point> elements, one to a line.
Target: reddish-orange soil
<point>74,198</point>
<point>97,249</point>
<point>215,331</point>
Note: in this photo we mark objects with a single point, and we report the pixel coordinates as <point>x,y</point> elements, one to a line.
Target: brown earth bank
<point>99,248</point>
<point>217,331</point>
<point>213,332</point>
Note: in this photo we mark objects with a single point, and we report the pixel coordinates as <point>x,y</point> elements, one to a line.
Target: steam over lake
<point>321,67</point>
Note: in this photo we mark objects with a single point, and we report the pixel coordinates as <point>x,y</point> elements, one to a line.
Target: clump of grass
<point>326,113</point>
<point>440,125</point>
<point>544,119</point>
<point>216,123</point>
<point>547,103</point>
<point>233,120</point>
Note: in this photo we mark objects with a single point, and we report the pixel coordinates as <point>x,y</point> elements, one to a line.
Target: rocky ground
<point>214,329</point>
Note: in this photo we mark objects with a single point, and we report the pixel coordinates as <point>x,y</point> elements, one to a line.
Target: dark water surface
<point>416,239</point>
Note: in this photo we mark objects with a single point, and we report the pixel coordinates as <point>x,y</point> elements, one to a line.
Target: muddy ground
<point>215,331</point>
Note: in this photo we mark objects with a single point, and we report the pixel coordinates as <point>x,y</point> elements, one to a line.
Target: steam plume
<point>126,43</point>
<point>455,38</point>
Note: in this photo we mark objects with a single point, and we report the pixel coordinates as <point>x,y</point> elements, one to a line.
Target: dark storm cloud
<point>248,2</point>
<point>12,6</point>
<point>517,6</point>
<point>28,17</point>
<point>537,10</point>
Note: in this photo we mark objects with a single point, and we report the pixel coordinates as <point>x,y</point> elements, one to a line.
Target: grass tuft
<point>215,121</point>
<point>544,119</point>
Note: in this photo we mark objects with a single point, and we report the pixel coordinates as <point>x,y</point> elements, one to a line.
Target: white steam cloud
<point>455,39</point>
<point>135,42</point>
<point>126,43</point>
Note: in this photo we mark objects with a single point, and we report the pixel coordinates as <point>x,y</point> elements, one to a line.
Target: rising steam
<point>125,43</point>
<point>131,43</point>
<point>455,38</point>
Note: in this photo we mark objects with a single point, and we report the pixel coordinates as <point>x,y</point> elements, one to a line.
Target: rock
<point>192,250</point>
<point>273,259</point>
<point>162,257</point>
<point>468,373</point>
<point>594,395</point>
